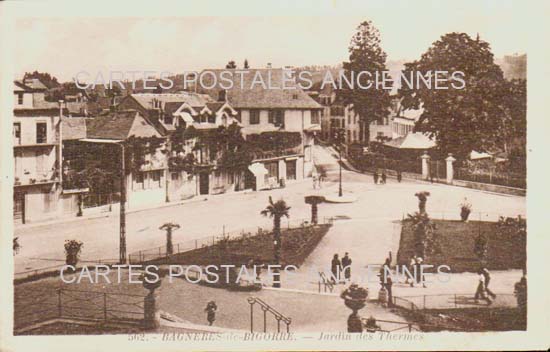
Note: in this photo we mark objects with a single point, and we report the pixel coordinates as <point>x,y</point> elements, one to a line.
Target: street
<point>42,246</point>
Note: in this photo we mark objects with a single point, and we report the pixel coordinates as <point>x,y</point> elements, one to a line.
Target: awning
<point>258,169</point>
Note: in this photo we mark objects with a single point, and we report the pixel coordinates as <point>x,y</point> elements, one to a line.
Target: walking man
<point>411,267</point>
<point>399,176</point>
<point>210,310</point>
<point>346,264</point>
<point>383,177</point>
<point>375,176</point>
<point>419,275</point>
<point>481,289</point>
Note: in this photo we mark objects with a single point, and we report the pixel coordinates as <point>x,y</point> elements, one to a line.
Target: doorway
<point>204,183</point>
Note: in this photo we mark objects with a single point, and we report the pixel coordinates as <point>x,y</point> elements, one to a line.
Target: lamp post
<point>122,242</point>
<point>339,140</point>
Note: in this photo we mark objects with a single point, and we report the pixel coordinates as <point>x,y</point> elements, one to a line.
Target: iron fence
<point>497,178</point>
<point>452,301</point>
<point>159,252</point>
<point>36,307</point>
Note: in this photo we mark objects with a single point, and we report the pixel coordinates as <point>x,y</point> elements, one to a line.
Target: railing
<point>265,309</point>
<point>78,305</point>
<point>91,200</point>
<point>207,241</point>
<point>325,283</point>
<point>400,325</point>
<point>262,155</point>
<point>452,301</point>
<point>497,178</point>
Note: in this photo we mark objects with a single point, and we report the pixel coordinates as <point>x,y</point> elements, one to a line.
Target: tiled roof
<point>120,125</point>
<point>254,96</point>
<point>193,99</point>
<point>412,141</point>
<point>34,83</point>
<point>73,128</point>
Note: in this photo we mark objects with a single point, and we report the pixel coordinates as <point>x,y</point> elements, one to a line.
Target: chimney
<point>222,95</point>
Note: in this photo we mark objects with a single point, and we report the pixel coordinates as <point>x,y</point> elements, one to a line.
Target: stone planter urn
<point>355,298</point>
<point>151,316</point>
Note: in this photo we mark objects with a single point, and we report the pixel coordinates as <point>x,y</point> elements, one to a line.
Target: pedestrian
<point>314,178</point>
<point>385,279</point>
<point>487,277</point>
<point>346,264</point>
<point>375,176</point>
<point>210,310</point>
<point>419,275</point>
<point>481,289</point>
<point>383,177</point>
<point>399,176</point>
<point>335,268</point>
<point>411,267</point>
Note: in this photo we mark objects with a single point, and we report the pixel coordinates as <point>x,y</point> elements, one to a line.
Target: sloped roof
<point>35,83</point>
<point>193,99</point>
<point>254,96</point>
<point>73,128</point>
<point>412,141</point>
<point>120,125</point>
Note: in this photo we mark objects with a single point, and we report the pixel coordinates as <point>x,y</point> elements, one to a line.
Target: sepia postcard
<point>260,175</point>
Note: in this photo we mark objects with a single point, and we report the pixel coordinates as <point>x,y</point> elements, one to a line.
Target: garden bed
<point>469,319</point>
<point>505,249</point>
<point>297,244</point>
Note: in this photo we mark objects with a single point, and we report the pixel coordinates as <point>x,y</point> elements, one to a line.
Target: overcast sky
<point>64,47</point>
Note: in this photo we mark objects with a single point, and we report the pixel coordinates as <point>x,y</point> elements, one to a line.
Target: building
<point>37,153</point>
<point>267,110</point>
<point>145,186</point>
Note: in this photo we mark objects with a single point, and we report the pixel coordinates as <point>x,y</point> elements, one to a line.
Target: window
<point>315,117</point>
<point>238,116</point>
<point>156,175</point>
<point>41,132</point>
<point>276,117</point>
<point>254,117</point>
<point>20,98</point>
<point>212,118</point>
<point>139,180</point>
<point>17,133</point>
<point>175,176</point>
<point>349,136</point>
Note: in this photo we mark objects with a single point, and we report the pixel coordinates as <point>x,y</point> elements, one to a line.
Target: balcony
<point>278,153</point>
<point>36,179</point>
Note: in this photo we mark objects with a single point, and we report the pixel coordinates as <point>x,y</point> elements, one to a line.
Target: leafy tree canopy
<point>461,120</point>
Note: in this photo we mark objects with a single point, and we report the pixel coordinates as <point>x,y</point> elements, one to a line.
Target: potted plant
<point>355,298</point>
<point>370,325</point>
<point>72,252</point>
<point>465,210</point>
<point>422,199</point>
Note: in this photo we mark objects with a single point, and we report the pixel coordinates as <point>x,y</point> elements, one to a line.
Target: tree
<point>366,55</point>
<point>460,120</point>
<point>231,65</point>
<point>514,123</point>
<point>246,66</point>
<point>314,201</point>
<point>276,211</point>
<point>169,227</point>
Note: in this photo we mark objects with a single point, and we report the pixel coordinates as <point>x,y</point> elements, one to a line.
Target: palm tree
<point>276,211</point>
<point>169,226</point>
<point>313,201</point>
